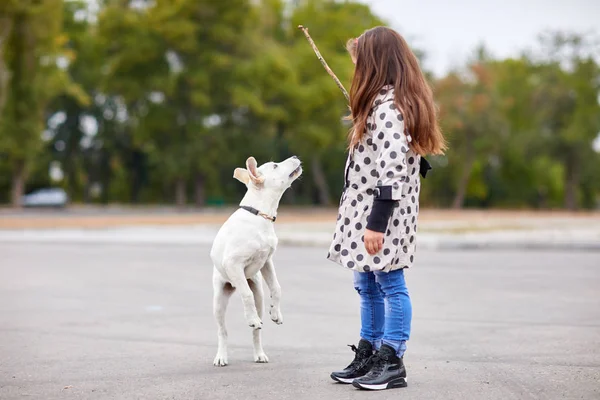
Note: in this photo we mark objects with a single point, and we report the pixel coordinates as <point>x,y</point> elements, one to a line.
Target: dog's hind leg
<point>238,280</point>
<point>222,294</point>
<point>255,284</point>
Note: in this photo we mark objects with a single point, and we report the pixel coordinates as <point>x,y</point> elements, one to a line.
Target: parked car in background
<point>47,197</point>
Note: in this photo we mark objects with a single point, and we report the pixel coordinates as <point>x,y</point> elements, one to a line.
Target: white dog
<point>243,250</point>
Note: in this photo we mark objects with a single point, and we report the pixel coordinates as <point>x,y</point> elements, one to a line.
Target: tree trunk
<point>6,24</point>
<point>200,192</point>
<point>87,189</point>
<point>571,184</point>
<point>75,187</point>
<point>461,191</point>
<point>18,183</point>
<point>136,176</point>
<point>73,184</point>
<point>180,196</point>
<point>320,181</point>
<point>105,176</point>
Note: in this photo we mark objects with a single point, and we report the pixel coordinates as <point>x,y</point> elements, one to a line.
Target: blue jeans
<point>385,308</point>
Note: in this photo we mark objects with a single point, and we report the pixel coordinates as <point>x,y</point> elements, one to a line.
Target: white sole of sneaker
<point>342,380</point>
<point>390,385</point>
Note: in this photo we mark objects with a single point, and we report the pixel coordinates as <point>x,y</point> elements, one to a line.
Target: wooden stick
<point>320,57</point>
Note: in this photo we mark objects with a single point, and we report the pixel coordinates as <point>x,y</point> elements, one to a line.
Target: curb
<point>467,245</point>
<point>203,236</point>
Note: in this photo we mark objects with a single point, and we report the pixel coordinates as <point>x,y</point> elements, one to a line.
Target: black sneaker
<point>387,372</point>
<point>359,366</point>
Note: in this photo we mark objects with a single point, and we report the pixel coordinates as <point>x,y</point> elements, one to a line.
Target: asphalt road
<point>84,321</point>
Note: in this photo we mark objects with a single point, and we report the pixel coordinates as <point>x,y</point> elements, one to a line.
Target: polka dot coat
<point>381,166</point>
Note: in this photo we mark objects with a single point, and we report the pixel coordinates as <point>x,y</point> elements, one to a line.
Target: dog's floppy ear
<point>253,173</point>
<point>241,175</point>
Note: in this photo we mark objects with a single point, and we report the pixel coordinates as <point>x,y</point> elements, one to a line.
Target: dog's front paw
<point>261,358</point>
<point>220,360</point>
<point>254,322</point>
<point>276,316</point>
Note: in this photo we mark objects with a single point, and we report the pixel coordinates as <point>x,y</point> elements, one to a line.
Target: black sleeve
<point>424,167</point>
<point>380,215</point>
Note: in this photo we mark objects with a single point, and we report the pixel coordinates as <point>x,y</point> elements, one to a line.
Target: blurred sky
<point>449,30</point>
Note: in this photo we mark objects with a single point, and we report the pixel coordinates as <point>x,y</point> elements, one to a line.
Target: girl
<point>394,125</point>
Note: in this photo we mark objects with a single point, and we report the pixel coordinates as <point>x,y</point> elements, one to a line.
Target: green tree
<point>568,111</point>
<point>470,116</point>
<point>33,50</point>
<point>315,130</point>
<point>175,65</point>
<point>72,140</point>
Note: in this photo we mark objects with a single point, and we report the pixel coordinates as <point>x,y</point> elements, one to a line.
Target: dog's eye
<point>275,166</point>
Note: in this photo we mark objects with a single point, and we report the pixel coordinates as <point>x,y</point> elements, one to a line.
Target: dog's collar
<point>254,211</point>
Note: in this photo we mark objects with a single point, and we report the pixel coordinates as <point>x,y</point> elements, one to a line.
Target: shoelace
<point>378,366</point>
<point>358,362</point>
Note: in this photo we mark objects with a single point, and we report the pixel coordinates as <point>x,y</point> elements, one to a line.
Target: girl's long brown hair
<point>383,58</point>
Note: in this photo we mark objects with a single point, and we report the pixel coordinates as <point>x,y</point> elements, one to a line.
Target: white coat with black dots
<point>384,166</point>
